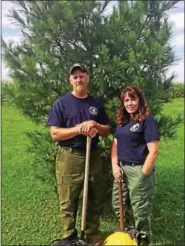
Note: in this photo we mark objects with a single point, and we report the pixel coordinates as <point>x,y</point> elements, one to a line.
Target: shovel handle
<point>85,189</point>
<point>121,216</point>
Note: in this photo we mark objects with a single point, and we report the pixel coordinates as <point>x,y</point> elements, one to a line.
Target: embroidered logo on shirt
<point>93,110</point>
<point>135,127</point>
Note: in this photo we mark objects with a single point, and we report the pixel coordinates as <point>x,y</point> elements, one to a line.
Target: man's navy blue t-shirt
<point>68,111</point>
<point>132,139</point>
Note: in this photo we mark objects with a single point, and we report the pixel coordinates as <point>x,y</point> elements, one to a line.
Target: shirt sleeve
<point>151,131</point>
<point>56,117</point>
<point>116,135</point>
<point>103,117</point>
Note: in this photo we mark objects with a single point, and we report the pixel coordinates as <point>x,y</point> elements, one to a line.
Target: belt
<point>73,150</point>
<point>133,164</point>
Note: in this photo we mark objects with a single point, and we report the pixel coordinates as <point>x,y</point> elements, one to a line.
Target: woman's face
<point>131,104</point>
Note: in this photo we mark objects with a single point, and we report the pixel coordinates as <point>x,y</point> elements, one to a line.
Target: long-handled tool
<point>120,237</point>
<point>85,189</point>
<point>121,216</point>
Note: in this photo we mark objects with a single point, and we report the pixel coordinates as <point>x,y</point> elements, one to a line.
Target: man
<point>74,117</point>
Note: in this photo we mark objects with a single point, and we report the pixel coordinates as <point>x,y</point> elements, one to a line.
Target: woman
<point>133,155</point>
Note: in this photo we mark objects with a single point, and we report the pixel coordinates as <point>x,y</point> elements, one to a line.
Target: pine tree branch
<point>85,36</point>
<point>22,4</point>
<point>142,28</point>
<point>74,44</point>
<point>14,15</point>
<point>62,50</point>
<point>30,74</point>
<point>106,2</point>
<point>166,5</point>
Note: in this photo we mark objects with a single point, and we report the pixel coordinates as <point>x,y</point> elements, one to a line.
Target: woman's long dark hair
<point>123,117</point>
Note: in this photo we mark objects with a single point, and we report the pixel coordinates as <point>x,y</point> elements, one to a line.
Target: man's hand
<point>87,125</point>
<point>78,128</point>
<point>103,130</point>
<point>87,129</point>
<point>93,132</point>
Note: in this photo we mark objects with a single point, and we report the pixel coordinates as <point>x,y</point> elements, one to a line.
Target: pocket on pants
<point>147,183</point>
<point>69,189</point>
<point>68,163</point>
<point>142,174</point>
<point>64,192</point>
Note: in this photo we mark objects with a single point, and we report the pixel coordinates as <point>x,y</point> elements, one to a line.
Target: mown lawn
<point>30,212</point>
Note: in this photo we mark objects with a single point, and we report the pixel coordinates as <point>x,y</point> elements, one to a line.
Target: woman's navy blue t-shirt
<point>68,111</point>
<point>132,139</point>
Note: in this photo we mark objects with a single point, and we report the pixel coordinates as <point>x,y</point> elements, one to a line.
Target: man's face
<point>79,81</point>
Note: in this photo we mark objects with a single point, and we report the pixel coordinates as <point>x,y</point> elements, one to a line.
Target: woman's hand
<point>116,170</point>
<point>153,149</point>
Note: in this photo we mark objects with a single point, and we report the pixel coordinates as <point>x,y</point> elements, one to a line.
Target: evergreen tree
<point>128,46</point>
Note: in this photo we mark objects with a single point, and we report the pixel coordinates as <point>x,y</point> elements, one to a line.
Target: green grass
<point>30,210</point>
<point>168,221</point>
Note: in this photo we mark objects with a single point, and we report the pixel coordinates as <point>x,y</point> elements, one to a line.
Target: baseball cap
<point>78,66</point>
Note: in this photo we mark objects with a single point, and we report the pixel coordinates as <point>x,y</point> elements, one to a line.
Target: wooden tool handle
<point>85,190</point>
<point>121,216</point>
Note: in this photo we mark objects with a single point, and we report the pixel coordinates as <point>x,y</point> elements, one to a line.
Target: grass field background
<point>30,210</point>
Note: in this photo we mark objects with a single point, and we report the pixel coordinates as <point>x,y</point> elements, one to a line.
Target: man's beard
<point>81,90</point>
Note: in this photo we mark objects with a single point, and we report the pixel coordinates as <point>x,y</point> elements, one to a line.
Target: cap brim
<point>81,68</point>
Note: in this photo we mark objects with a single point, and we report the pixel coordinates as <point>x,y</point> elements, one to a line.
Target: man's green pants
<point>70,170</point>
<point>138,193</point>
